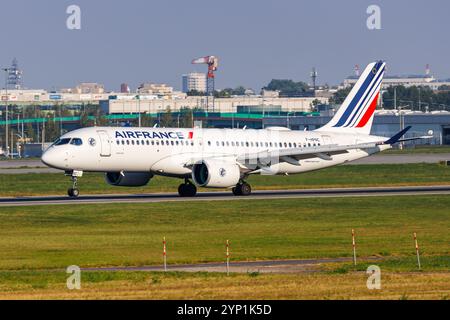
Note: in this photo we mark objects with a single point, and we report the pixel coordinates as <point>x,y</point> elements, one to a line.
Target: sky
<point>138,41</point>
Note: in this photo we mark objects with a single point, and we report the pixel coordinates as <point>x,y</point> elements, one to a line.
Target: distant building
<point>161,89</point>
<point>406,81</point>
<point>270,93</point>
<point>14,76</point>
<point>86,88</point>
<point>194,81</point>
<point>124,88</point>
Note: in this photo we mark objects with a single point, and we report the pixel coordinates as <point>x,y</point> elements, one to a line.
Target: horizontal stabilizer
<point>395,138</point>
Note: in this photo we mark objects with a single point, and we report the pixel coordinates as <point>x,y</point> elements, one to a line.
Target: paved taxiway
<point>266,266</point>
<point>36,166</point>
<point>226,195</point>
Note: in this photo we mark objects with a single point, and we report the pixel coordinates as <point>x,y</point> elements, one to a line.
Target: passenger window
<point>290,145</point>
<point>137,142</point>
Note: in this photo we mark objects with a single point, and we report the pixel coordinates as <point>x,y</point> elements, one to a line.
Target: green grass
<point>131,234</point>
<point>342,176</point>
<point>419,149</point>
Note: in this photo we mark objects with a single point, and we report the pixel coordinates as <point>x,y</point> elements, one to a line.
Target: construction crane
<point>212,63</point>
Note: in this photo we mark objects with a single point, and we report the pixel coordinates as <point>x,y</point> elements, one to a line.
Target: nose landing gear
<point>187,189</point>
<point>73,192</point>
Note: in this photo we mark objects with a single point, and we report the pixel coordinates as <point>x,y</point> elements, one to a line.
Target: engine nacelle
<point>215,174</point>
<point>128,179</point>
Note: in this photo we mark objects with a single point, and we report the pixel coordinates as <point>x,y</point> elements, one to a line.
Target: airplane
<point>224,158</point>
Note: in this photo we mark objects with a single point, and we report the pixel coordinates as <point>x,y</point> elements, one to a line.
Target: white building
<point>116,106</point>
<point>161,89</point>
<point>194,81</point>
<point>406,81</point>
<point>86,88</point>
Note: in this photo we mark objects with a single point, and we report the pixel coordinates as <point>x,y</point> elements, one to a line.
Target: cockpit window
<point>60,142</point>
<point>76,142</point>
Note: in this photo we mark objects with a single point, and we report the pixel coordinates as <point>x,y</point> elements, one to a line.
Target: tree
<point>340,96</point>
<point>186,117</point>
<point>195,93</point>
<point>30,133</point>
<point>289,88</point>
<point>228,92</point>
<point>147,120</point>
<point>166,119</point>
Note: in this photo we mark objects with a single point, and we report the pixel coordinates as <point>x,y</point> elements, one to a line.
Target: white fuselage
<point>165,151</point>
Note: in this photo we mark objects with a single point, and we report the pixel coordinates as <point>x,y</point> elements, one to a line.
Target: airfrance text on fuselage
<point>149,135</point>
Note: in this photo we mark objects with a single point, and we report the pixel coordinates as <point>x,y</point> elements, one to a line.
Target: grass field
<point>143,285</point>
<point>37,238</point>
<point>342,176</point>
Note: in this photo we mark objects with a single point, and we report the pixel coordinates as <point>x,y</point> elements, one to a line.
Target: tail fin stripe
<point>369,112</point>
<point>358,95</point>
<point>355,100</point>
<point>363,106</point>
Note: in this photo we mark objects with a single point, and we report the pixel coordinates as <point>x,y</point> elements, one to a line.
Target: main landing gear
<point>242,189</point>
<point>187,189</point>
<point>74,192</point>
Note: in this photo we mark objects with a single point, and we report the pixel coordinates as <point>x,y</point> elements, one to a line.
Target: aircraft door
<point>105,143</point>
<point>326,140</point>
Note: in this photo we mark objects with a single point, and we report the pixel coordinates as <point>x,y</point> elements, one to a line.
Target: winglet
<point>395,138</point>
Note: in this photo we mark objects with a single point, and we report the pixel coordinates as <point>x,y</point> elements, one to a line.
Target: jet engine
<point>128,179</point>
<point>215,174</point>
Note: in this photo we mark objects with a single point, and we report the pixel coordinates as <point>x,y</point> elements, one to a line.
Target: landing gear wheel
<point>242,189</point>
<point>187,190</point>
<point>236,191</point>
<point>73,192</point>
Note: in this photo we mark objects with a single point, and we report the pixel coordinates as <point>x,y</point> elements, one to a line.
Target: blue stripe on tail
<point>357,97</point>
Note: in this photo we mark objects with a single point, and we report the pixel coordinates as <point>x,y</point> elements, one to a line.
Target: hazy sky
<point>138,41</point>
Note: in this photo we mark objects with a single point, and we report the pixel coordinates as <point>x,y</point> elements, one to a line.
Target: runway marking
<point>221,196</point>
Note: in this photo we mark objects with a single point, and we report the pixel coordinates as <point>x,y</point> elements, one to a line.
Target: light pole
<point>139,109</point>
<point>287,120</point>
<point>6,111</point>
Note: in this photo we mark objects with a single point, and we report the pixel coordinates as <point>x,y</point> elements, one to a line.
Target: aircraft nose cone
<point>46,159</point>
<point>50,159</point>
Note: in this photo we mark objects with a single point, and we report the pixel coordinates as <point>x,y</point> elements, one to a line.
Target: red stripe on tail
<point>368,113</point>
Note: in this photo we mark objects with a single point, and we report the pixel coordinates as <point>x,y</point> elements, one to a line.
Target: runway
<point>226,196</point>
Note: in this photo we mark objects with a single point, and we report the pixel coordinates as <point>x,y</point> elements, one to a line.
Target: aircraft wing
<point>323,152</point>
